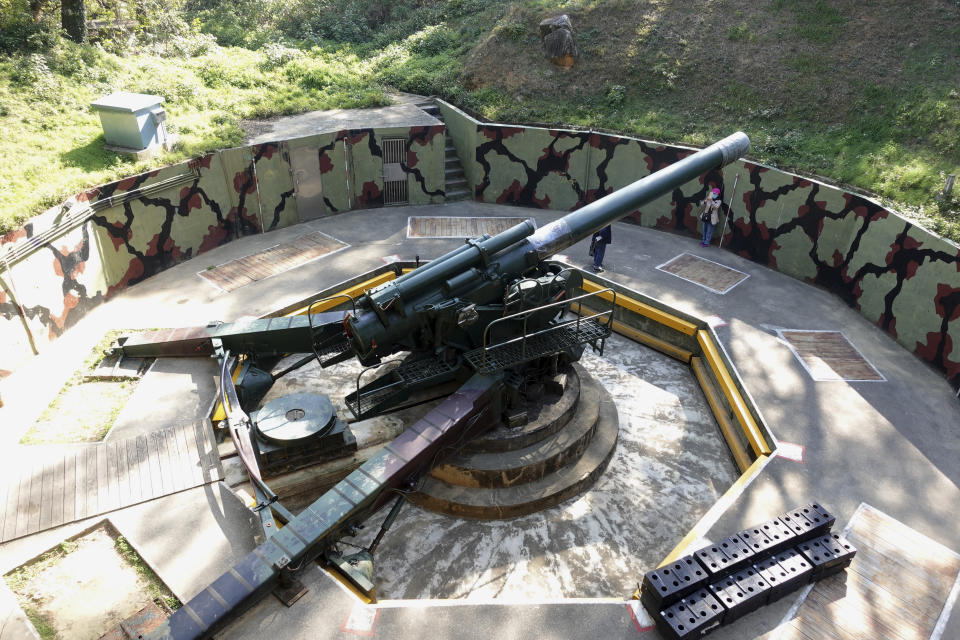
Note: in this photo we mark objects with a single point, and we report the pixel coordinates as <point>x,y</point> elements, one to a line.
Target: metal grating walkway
<point>82,482</point>
<point>507,354</point>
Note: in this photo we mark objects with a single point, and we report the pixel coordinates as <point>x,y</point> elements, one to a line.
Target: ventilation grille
<point>394,175</point>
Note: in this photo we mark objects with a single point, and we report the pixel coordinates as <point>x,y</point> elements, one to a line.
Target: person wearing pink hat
<point>709,216</point>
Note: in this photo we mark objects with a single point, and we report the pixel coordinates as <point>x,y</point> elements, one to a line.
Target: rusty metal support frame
<point>241,430</point>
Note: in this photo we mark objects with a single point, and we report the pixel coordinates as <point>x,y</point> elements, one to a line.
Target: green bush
<point>433,41</point>
<point>309,74</point>
<point>20,34</point>
<point>276,55</point>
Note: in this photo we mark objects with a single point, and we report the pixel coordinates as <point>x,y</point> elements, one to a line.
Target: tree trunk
<point>36,6</point>
<point>74,19</point>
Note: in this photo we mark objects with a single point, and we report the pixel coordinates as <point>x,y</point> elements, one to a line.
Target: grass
<point>159,592</point>
<point>22,580</point>
<point>51,143</point>
<point>84,410</point>
<point>790,73</point>
<point>22,576</point>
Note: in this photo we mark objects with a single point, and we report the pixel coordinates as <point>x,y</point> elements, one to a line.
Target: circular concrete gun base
<point>559,466</point>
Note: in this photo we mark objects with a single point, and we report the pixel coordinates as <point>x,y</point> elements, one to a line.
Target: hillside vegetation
<point>865,93</point>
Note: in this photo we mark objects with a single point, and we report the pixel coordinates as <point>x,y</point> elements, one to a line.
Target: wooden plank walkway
<point>706,273</point>
<point>456,227</point>
<point>828,355</point>
<point>95,479</point>
<point>270,262</point>
<point>896,588</point>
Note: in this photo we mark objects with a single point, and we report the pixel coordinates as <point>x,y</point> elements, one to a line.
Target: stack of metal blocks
<point>724,581</point>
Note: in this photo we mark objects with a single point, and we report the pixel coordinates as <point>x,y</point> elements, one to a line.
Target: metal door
<point>394,175</point>
<point>308,187</point>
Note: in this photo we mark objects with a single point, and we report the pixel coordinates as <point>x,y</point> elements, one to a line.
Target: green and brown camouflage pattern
<point>223,196</point>
<point>901,277</point>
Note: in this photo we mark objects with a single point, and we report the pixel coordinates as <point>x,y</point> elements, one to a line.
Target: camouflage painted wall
<point>899,276</point>
<point>144,224</point>
<point>423,165</point>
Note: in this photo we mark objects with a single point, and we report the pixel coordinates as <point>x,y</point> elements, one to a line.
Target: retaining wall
<point>901,277</point>
<point>898,275</point>
<point>75,256</point>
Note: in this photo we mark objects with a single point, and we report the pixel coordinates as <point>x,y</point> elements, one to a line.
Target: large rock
<point>557,36</point>
<point>549,25</point>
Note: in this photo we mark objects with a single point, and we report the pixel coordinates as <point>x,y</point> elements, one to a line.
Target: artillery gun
<point>489,315</point>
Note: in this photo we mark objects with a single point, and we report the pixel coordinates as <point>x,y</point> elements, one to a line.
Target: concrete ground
<point>892,444</point>
<point>403,113</point>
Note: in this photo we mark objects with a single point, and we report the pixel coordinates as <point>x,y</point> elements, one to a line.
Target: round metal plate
<point>296,418</point>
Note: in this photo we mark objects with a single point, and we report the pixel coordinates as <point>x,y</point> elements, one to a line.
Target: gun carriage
<point>490,317</point>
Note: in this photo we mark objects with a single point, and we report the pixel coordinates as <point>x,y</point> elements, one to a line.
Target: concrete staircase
<point>456,185</point>
<point>511,472</point>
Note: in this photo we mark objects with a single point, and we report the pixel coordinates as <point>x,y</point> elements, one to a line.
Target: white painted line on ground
<point>791,451</point>
<point>361,620</point>
<point>714,513</point>
<point>641,619</point>
<point>424,604</point>
<point>715,321</point>
<point>391,259</point>
<point>941,625</point>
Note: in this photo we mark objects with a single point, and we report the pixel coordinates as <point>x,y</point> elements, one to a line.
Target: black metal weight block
<point>735,600</point>
<point>775,575</point>
<point>713,560</point>
<point>827,554</point>
<point>692,617</point>
<point>754,586</point>
<point>757,540</point>
<point>781,536</point>
<point>822,519</point>
<point>666,585</point>
<point>798,569</point>
<point>739,554</point>
<point>728,600</point>
<point>798,525</point>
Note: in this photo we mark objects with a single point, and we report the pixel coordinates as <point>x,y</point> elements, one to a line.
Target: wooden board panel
<point>828,355</point>
<point>457,227</point>
<point>270,262</point>
<point>896,588</point>
<point>91,480</point>
<point>706,273</point>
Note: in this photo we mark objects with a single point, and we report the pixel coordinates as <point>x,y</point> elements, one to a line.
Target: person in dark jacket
<point>600,242</point>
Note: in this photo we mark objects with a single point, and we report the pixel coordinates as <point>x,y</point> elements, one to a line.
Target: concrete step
<point>458,195</point>
<point>457,184</point>
<point>537,461</point>
<point>552,417</point>
<point>453,172</point>
<point>522,499</point>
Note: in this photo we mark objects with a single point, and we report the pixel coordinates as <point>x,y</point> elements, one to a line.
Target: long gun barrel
<point>477,271</point>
